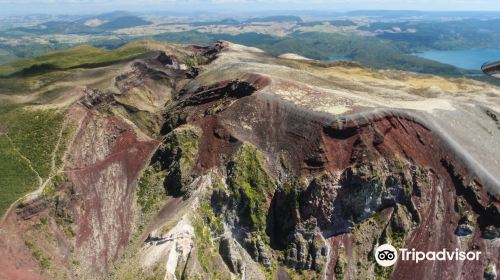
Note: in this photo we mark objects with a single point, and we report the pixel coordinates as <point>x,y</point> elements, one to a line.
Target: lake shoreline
<point>471,59</point>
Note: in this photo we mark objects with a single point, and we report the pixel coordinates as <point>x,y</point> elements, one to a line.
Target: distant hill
<point>124,22</point>
<point>105,17</point>
<point>276,19</point>
<point>113,15</point>
<point>373,52</point>
<point>58,27</point>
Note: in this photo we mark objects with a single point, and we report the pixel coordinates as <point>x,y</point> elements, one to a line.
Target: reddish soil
<point>103,214</point>
<point>313,143</point>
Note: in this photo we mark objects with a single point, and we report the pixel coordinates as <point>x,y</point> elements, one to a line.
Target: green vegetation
<point>66,227</point>
<point>195,60</point>
<point>56,195</point>
<point>34,134</point>
<point>123,22</point>
<point>66,134</point>
<point>178,155</point>
<point>340,265</point>
<point>369,51</point>
<point>204,244</point>
<point>150,189</point>
<point>296,274</point>
<point>383,273</point>
<point>366,236</point>
<point>51,188</point>
<point>185,140</point>
<point>43,260</point>
<point>206,225</point>
<point>26,75</point>
<point>149,123</point>
<point>210,219</point>
<point>82,56</point>
<point>447,35</point>
<point>17,177</point>
<point>250,185</point>
<point>40,223</point>
<point>28,84</point>
<point>398,238</point>
<point>28,139</point>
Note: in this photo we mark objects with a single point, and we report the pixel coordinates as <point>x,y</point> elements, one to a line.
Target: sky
<point>93,6</point>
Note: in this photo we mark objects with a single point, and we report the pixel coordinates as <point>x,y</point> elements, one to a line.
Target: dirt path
<point>41,182</point>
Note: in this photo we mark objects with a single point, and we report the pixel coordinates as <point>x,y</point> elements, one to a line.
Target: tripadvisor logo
<point>386,255</point>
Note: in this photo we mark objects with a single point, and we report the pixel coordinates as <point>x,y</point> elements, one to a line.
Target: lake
<point>466,59</point>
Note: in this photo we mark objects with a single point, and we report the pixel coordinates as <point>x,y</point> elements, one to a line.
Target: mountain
<point>113,15</point>
<point>162,161</point>
<point>95,25</point>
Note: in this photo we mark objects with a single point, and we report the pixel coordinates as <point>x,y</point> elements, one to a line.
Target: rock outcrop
<point>242,165</point>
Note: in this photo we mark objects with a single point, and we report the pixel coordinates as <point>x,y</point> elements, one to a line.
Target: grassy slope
<point>27,75</point>
<point>28,137</point>
<point>75,57</point>
<point>27,143</point>
<point>16,177</point>
<point>250,182</point>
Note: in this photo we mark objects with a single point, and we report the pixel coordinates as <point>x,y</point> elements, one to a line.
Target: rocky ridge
<point>230,163</point>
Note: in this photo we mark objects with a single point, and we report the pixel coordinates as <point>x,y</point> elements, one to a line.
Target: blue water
<point>337,58</point>
<point>466,59</point>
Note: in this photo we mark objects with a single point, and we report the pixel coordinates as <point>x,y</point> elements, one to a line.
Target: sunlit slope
<point>34,136</point>
<point>26,76</point>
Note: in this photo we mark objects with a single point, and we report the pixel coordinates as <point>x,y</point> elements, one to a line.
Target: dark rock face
<point>491,232</point>
<point>490,272</point>
<point>318,200</point>
<point>95,97</point>
<point>334,178</point>
<point>257,248</point>
<point>466,225</point>
<point>306,249</point>
<point>165,59</point>
<point>211,52</point>
<point>177,154</point>
<point>224,90</point>
<point>230,256</point>
<point>28,211</point>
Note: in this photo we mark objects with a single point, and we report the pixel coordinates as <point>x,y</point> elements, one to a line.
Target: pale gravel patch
<point>178,242</point>
<point>428,105</point>
<point>294,56</point>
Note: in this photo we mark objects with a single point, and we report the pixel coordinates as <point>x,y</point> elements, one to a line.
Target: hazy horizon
<point>26,7</point>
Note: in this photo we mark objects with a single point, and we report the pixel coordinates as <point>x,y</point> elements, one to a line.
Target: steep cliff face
<point>339,186</point>
<point>81,219</point>
<point>325,189</point>
<point>259,168</point>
